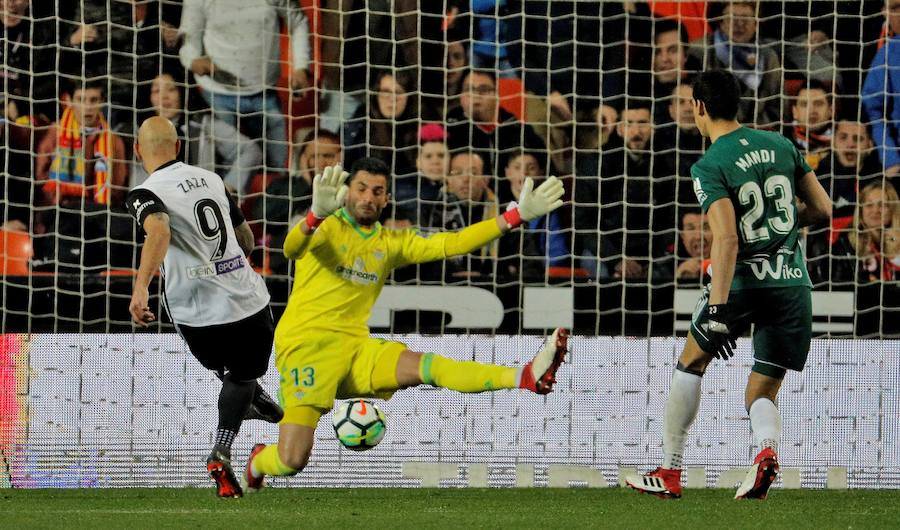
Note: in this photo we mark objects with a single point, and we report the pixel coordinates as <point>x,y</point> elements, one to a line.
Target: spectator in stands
<point>851,166</point>
<point>585,194</point>
<point>80,158</point>
<point>678,146</point>
<point>671,65</point>
<point>124,40</point>
<point>605,117</point>
<point>686,255</point>
<point>623,193</point>
<point>27,58</point>
<point>881,94</point>
<point>867,253</point>
<point>563,42</point>
<point>456,64</point>
<point>82,172</point>
<point>542,242</point>
<point>811,129</point>
<point>480,123</point>
<point>386,127</point>
<point>735,46</point>
<point>205,141</point>
<point>465,199</point>
<point>812,55</point>
<point>412,194</point>
<point>490,36</point>
<point>286,200</point>
<point>15,176</point>
<point>232,47</point>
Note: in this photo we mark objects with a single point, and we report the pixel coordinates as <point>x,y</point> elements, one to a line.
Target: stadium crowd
<point>463,100</point>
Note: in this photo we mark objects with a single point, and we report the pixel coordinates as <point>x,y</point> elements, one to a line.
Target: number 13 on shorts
<point>305,376</point>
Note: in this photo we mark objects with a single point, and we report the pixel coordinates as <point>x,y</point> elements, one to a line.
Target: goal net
<point>462,101</point>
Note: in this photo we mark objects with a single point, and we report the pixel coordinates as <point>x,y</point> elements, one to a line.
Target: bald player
<point>198,239</point>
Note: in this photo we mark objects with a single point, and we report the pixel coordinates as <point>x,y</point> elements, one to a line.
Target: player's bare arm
<point>724,249</point>
<point>723,253</point>
<point>154,251</point>
<point>814,205</point>
<point>244,237</point>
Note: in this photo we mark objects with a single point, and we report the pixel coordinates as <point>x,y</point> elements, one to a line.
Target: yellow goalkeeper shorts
<point>323,366</point>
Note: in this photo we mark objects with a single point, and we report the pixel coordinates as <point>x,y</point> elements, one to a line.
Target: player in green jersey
<point>757,191</point>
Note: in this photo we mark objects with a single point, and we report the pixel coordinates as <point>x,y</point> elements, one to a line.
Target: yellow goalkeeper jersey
<point>341,268</point>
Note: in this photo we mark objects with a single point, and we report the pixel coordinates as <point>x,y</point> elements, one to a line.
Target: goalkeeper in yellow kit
<point>322,344</point>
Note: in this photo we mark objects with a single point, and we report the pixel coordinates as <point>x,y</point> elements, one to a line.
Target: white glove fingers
<point>527,187</point>
<point>342,194</point>
<point>343,177</point>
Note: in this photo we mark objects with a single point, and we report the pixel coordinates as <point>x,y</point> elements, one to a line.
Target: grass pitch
<point>444,508</point>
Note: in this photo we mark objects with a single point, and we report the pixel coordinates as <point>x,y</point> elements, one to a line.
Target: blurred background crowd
<point>463,101</point>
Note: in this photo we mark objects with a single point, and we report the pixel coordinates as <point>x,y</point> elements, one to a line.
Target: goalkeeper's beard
<point>365,214</point>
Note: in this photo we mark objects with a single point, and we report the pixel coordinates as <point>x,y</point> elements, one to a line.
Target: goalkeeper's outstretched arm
<point>533,203</point>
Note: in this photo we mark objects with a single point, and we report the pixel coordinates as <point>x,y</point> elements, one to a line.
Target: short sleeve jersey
<point>758,171</point>
<point>208,280</point>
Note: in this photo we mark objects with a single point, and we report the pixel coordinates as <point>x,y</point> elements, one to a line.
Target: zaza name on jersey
<point>192,183</point>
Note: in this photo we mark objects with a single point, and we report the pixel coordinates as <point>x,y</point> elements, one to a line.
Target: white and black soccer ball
<point>358,424</point>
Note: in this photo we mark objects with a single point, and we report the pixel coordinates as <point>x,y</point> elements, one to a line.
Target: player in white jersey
<point>199,240</point>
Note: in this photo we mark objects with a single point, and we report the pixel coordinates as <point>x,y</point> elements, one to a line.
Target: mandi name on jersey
<point>752,158</point>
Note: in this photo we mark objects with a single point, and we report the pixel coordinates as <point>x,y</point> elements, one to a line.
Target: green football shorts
<point>782,320</point>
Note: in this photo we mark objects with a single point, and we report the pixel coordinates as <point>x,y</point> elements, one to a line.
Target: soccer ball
<point>359,424</point>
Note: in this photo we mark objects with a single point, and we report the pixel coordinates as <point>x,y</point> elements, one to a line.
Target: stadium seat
<point>15,252</point>
<point>512,96</point>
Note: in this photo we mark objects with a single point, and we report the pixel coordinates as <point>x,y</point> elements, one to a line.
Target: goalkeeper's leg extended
<point>383,368</point>
<point>538,375</point>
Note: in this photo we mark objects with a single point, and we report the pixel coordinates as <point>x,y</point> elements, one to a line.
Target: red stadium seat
<point>15,252</point>
<point>512,96</point>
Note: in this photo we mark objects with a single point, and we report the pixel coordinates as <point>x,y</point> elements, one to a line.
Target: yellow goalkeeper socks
<point>465,376</point>
<point>267,462</point>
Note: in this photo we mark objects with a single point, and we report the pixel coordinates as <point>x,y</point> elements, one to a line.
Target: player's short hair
<point>319,134</point>
<point>720,93</point>
<point>664,25</point>
<point>637,103</point>
<point>814,84</point>
<point>479,71</point>
<point>685,211</point>
<point>472,152</point>
<point>88,84</point>
<point>371,165</point>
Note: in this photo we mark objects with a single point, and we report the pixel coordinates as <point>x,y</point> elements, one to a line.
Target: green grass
<point>444,508</point>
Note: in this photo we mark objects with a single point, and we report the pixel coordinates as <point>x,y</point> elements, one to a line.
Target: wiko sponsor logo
<point>778,270</point>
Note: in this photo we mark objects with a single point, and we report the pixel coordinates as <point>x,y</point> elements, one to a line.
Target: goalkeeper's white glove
<point>535,203</point>
<point>329,192</point>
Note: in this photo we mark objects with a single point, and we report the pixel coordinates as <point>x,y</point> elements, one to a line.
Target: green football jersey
<point>758,171</point>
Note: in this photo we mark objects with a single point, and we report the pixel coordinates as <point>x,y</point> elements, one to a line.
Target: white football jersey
<point>208,279</point>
